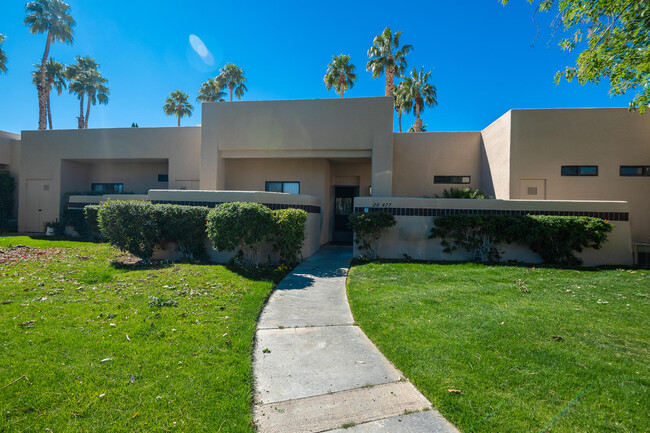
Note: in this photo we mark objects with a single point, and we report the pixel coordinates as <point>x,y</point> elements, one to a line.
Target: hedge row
<point>555,238</point>
<point>141,227</point>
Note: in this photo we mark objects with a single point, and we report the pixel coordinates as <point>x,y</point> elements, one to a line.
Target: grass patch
<point>88,343</point>
<point>514,349</point>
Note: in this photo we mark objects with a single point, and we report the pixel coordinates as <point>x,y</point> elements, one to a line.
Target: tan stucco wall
<point>410,235</point>
<point>545,140</point>
<point>46,153</point>
<point>326,128</point>
<point>417,158</point>
<point>495,157</point>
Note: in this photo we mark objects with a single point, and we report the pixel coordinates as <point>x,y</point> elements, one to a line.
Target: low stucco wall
<point>79,201</point>
<point>410,236</point>
<point>273,200</point>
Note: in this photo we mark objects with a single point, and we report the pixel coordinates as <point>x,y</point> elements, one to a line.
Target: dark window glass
<point>163,178</point>
<point>108,188</point>
<point>579,170</point>
<point>287,187</point>
<point>451,179</point>
<point>635,170</point>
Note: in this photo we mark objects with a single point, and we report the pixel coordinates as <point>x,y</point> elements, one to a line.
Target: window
<point>579,170</point>
<point>108,188</point>
<point>288,187</point>
<point>163,178</point>
<point>451,179</point>
<point>635,170</point>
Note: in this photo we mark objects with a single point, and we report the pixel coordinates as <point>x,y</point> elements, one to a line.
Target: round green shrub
<point>131,226</point>
<point>184,225</point>
<point>289,233</point>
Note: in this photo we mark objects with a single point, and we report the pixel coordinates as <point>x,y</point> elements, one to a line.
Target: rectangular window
<point>287,187</point>
<point>163,178</point>
<point>451,179</point>
<point>108,188</point>
<point>579,170</point>
<point>635,170</point>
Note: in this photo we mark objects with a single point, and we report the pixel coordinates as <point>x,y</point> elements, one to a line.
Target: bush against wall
<point>555,238</point>
<point>91,218</point>
<point>131,226</point>
<point>289,233</point>
<point>467,193</point>
<point>368,227</point>
<point>184,225</point>
<point>242,227</point>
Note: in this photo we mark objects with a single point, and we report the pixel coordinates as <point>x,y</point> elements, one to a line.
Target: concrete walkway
<point>315,371</point>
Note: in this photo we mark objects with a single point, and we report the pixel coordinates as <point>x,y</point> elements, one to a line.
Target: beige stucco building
<point>337,149</point>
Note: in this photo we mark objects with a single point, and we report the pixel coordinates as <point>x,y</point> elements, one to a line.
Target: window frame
<point>164,176</point>
<point>282,182</point>
<point>578,170</point>
<point>441,179</point>
<point>645,170</point>
<point>106,191</point>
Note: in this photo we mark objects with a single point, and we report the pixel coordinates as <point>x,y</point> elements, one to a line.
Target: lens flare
<point>199,48</point>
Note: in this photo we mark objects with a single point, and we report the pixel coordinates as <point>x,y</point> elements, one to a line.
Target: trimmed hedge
<point>240,226</point>
<point>91,217</point>
<point>184,225</point>
<point>289,233</point>
<point>368,227</point>
<point>131,226</point>
<point>555,238</point>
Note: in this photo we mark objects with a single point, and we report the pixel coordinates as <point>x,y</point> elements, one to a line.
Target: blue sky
<point>484,57</point>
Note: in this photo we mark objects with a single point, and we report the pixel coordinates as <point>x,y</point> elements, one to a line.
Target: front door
<point>343,207</point>
<point>38,197</point>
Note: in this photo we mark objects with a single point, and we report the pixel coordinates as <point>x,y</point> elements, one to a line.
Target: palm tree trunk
<point>179,120</point>
<point>418,121</point>
<point>41,88</point>
<point>80,119</point>
<point>399,120</point>
<point>49,110</point>
<point>231,88</point>
<point>390,85</point>
<point>342,84</point>
<point>87,112</point>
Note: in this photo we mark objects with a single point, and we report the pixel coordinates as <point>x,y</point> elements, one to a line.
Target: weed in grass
<point>348,425</point>
<point>155,301</point>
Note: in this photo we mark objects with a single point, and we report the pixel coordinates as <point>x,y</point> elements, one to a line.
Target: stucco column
<point>382,165</point>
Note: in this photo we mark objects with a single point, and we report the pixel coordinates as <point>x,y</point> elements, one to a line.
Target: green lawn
<point>90,344</point>
<point>530,349</point>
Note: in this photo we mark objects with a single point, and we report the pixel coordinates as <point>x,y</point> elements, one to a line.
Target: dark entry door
<point>343,207</point>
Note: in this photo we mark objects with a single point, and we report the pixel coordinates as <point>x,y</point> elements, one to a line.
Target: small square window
<point>532,190</point>
<point>163,178</point>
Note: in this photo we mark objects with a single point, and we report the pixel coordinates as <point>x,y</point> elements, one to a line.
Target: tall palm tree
<point>233,77</point>
<point>3,56</point>
<point>340,74</point>
<point>387,58</point>
<point>54,78</point>
<point>420,93</point>
<point>178,105</point>
<point>402,102</point>
<point>86,81</point>
<point>96,91</point>
<point>211,91</point>
<point>51,17</point>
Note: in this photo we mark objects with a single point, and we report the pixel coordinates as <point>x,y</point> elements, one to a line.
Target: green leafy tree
<point>3,56</point>
<point>232,77</point>
<point>211,91</point>
<point>419,93</point>
<point>340,74</point>
<point>178,105</point>
<point>88,84</point>
<point>386,57</point>
<point>54,79</point>
<point>51,17</point>
<point>614,36</point>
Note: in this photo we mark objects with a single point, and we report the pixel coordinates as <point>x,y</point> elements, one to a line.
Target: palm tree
<point>51,17</point>
<point>178,105</point>
<point>3,56</point>
<point>232,77</point>
<point>420,93</point>
<point>86,80</point>
<point>97,92</point>
<point>383,60</point>
<point>54,78</point>
<point>211,91</point>
<point>340,74</point>
<point>402,102</point>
